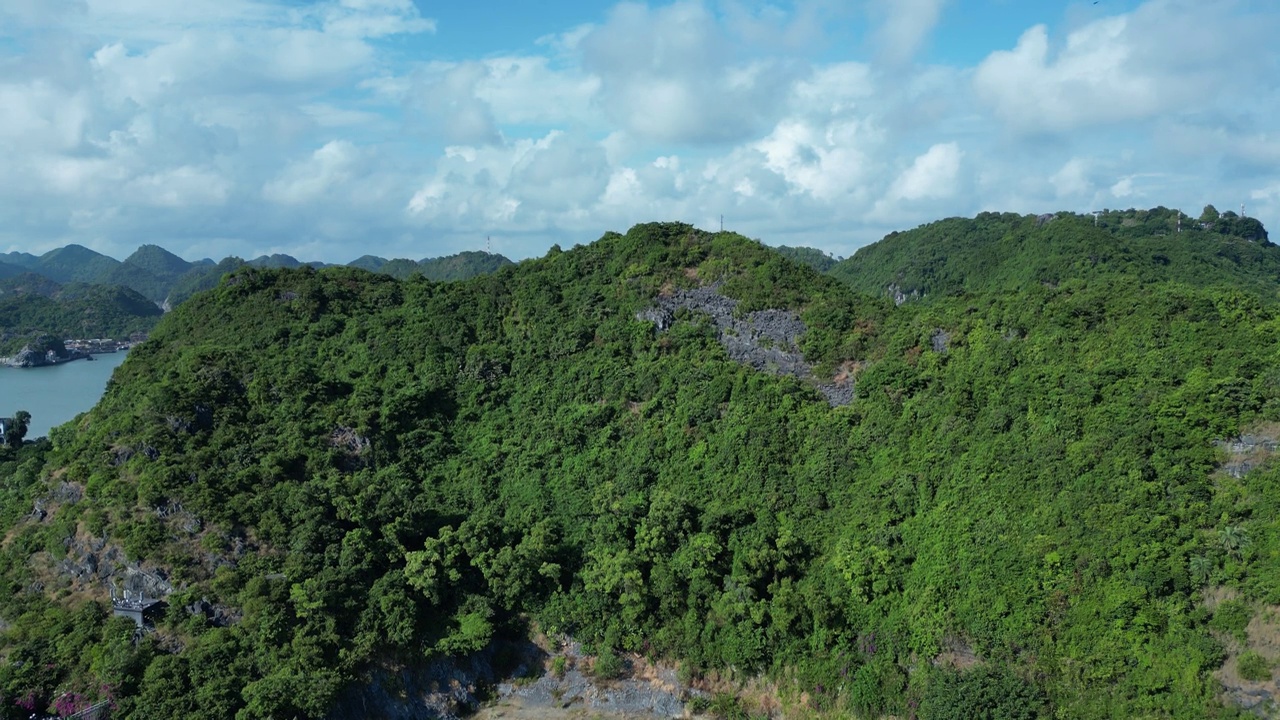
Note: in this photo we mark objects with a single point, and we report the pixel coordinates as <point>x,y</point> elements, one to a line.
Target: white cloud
<point>348,126</point>
<point>904,26</point>
<point>311,179</point>
<point>1072,179</point>
<point>446,102</point>
<point>1167,56</point>
<point>39,115</point>
<point>1088,82</point>
<point>524,90</point>
<point>827,162</point>
<point>931,175</point>
<point>669,75</point>
<point>180,187</point>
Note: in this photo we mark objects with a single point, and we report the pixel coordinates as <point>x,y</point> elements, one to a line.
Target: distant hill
<point>463,266</point>
<point>37,306</point>
<point>276,261</point>
<point>1009,252</point>
<point>21,259</point>
<point>451,268</point>
<point>29,283</point>
<point>813,257</point>
<point>166,279</point>
<point>368,262</point>
<point>10,270</point>
<point>151,270</point>
<point>199,278</point>
<point>158,261</point>
<point>75,263</point>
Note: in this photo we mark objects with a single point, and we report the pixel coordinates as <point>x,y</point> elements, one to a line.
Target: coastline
<point>73,350</point>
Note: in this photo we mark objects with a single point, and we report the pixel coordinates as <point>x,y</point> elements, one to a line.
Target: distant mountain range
<point>76,292</point>
<point>155,272</point>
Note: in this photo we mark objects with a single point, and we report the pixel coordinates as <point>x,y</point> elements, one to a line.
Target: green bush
<point>988,692</point>
<point>1254,667</point>
<point>607,666</point>
<point>1232,617</point>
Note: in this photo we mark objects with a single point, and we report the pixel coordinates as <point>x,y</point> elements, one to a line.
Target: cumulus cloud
<point>310,179</point>
<point>334,128</point>
<point>670,75</point>
<point>180,187</point>
<point>527,90</point>
<point>827,162</point>
<point>446,103</point>
<point>931,175</point>
<point>904,25</point>
<point>1166,56</point>
<point>1072,179</point>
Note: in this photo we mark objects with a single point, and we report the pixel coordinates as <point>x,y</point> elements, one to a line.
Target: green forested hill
<point>74,263</point>
<point>371,471</point>
<point>1012,252</point>
<point>32,306</point>
<point>449,268</point>
<point>814,258</point>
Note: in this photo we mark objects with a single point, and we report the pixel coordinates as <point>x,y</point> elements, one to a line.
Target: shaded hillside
<point>75,310</point>
<point>450,268</point>
<point>280,260</point>
<point>151,270</point>
<point>29,283</point>
<point>74,263</point>
<point>333,470</point>
<point>159,262</point>
<point>168,280</point>
<point>455,267</point>
<point>21,259</point>
<point>199,279</point>
<point>462,266</point>
<point>814,258</point>
<point>1015,252</point>
<point>10,270</point>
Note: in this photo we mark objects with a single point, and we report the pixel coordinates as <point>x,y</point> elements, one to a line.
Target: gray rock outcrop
<point>766,340</point>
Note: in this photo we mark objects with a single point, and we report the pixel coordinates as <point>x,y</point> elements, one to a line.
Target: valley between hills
<point>1010,466</point>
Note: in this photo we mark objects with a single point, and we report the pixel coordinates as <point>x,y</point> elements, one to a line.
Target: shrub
<point>608,665</point>
<point>1254,667</point>
<point>1231,617</point>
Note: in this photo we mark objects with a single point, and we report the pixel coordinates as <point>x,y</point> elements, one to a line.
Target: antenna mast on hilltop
<point>722,218</point>
<point>488,245</point>
<point>1242,210</point>
<point>1179,221</point>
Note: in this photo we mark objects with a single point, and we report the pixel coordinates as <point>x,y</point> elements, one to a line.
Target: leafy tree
<point>13,436</point>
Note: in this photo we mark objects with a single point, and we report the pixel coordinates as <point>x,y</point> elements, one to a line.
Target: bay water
<point>55,394</point>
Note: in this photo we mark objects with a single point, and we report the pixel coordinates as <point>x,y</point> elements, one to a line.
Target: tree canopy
<point>374,471</point>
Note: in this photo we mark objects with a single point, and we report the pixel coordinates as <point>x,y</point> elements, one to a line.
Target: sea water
<point>57,393</point>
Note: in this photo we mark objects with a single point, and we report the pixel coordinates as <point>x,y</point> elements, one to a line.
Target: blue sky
<point>402,128</point>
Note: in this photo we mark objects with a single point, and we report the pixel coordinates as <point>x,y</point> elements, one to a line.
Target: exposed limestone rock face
<point>766,340</point>
<point>454,688</point>
<point>1247,452</point>
<point>900,296</point>
<point>940,340</point>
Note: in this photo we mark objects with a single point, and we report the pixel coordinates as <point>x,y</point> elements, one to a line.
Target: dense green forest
<point>370,472</point>
<point>1006,251</point>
